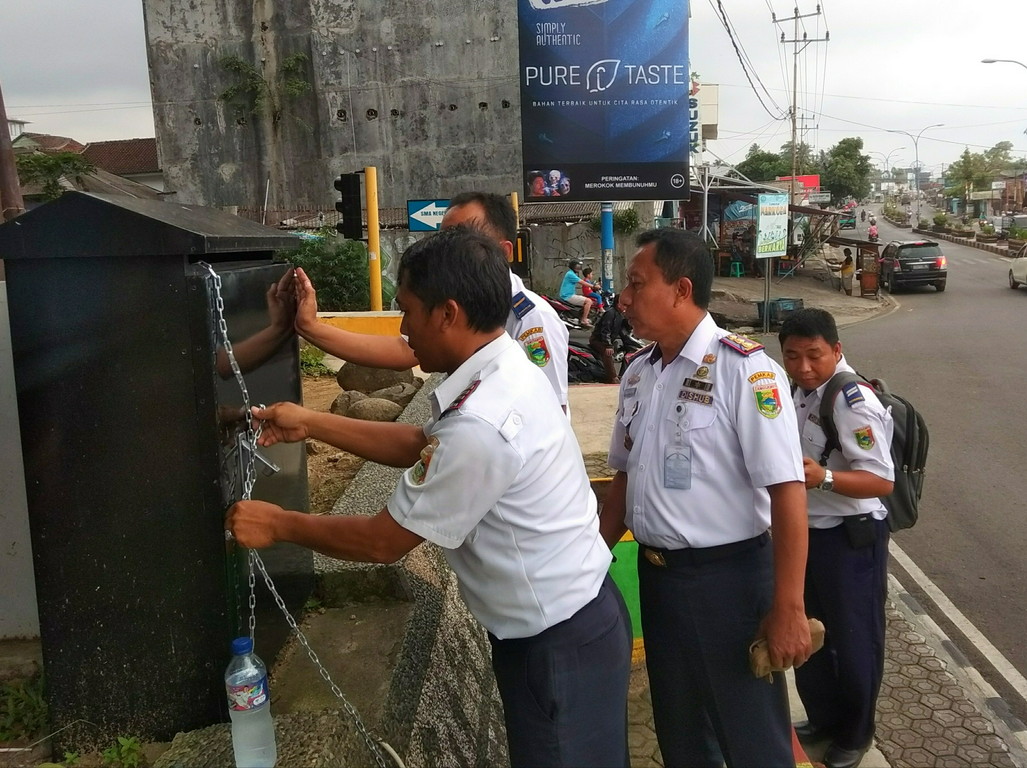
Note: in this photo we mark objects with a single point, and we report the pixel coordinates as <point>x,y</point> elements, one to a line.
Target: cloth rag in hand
<point>759,655</point>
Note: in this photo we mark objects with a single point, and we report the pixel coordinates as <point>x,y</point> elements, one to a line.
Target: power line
<point>718,9</point>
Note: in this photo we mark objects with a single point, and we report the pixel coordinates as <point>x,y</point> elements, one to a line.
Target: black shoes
<point>809,733</point>
<point>836,757</point>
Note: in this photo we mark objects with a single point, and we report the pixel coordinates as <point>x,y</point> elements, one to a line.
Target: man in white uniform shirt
<point>497,480</point>
<point>847,567</point>
<point>707,457</point>
<point>530,321</point>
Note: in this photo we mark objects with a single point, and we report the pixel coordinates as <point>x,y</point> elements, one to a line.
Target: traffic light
<point>351,220</point>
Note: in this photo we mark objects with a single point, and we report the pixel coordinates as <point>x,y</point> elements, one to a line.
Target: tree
<point>846,170</point>
<point>971,171</point>
<point>760,165</point>
<point>47,170</point>
<point>805,162</point>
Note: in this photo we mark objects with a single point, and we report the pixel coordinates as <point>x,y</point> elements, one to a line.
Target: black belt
<point>669,558</point>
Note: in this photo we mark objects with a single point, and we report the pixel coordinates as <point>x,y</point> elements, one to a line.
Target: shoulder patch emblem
<point>865,437</point>
<point>460,399</point>
<point>534,342</point>
<point>420,470</point>
<point>740,344</point>
<point>852,394</point>
<point>521,305</point>
<point>709,359</point>
<point>762,375</point>
<point>768,399</point>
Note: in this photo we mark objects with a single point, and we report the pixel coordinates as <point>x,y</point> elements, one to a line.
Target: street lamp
<point>887,158</point>
<point>916,161</point>
<point>1003,61</point>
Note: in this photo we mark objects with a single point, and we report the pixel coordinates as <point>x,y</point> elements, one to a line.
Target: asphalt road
<point>961,358</point>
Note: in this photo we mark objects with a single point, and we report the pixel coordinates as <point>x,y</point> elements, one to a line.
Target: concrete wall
<point>426,91</point>
<point>552,246</point>
<point>19,617</point>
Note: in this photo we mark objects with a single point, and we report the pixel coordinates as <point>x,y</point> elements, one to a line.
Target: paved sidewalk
<point>933,710</point>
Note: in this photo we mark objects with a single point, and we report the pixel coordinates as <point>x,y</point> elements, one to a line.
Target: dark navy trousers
<point>698,621</point>
<point>846,588</point>
<point>565,690</point>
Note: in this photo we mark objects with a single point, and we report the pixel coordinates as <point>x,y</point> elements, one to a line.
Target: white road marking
<point>994,656</point>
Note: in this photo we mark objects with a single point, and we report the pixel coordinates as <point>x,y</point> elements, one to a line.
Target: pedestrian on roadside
<point>847,566</point>
<point>534,574</point>
<point>531,321</point>
<point>608,337</point>
<point>707,456</point>
<point>847,271</point>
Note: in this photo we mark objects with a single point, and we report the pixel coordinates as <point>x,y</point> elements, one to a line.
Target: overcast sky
<point>78,68</point>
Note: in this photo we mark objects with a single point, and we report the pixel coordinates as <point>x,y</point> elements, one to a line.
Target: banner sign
<point>772,225</point>
<point>605,99</point>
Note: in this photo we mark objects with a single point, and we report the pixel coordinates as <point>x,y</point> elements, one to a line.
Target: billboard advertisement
<point>772,225</point>
<point>605,99</point>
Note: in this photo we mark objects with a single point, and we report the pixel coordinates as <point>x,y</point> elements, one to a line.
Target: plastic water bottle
<point>249,705</point>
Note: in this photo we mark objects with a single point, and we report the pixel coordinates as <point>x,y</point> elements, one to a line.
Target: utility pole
<point>805,40</point>
<point>11,203</point>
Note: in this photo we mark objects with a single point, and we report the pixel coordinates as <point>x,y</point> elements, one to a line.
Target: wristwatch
<point>827,483</point>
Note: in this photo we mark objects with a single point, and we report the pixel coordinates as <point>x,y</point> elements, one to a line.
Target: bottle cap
<point>242,645</point>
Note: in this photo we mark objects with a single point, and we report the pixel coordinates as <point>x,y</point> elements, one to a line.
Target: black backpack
<point>910,440</point>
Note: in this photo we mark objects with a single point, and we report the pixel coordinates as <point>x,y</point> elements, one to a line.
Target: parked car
<point>906,263</point>
<point>847,220</point>
<point>1018,269</point>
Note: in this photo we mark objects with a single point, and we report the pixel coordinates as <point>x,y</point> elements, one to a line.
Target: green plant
<point>23,712</point>
<point>940,219</point>
<point>1017,233</point>
<point>312,361</point>
<point>337,268</point>
<point>252,92</point>
<point>70,759</point>
<point>625,222</point>
<point>47,170</point>
<point>987,229</point>
<point>923,224</point>
<point>126,752</point>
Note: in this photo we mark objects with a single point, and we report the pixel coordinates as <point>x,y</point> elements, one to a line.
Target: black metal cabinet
<point>129,439</point>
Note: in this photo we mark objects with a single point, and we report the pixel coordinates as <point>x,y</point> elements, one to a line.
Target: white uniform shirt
<point>505,493</point>
<point>541,333</point>
<point>700,439</point>
<point>864,433</point>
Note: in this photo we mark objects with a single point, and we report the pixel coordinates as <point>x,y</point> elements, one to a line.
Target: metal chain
<point>372,745</point>
<point>254,561</point>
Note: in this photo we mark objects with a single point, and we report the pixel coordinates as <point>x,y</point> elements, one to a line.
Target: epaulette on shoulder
<point>460,399</point>
<point>644,352</point>
<point>852,393</point>
<point>740,344</point>
<point>521,305</point>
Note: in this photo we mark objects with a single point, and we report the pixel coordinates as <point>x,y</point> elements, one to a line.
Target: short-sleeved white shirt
<point>731,414</point>
<point>540,332</point>
<point>864,432</point>
<point>506,495</point>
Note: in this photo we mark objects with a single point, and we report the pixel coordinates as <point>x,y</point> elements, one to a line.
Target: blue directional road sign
<point>425,215</point>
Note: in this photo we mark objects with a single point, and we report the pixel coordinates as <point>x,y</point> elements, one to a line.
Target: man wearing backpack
<point>846,570</point>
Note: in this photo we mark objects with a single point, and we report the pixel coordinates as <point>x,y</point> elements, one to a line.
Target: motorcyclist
<point>872,233</point>
<point>863,215</point>
<point>873,219</point>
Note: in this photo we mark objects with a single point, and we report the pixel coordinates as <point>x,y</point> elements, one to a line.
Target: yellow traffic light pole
<point>373,239</point>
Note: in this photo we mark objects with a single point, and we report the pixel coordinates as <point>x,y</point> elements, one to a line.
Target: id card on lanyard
<point>677,457</point>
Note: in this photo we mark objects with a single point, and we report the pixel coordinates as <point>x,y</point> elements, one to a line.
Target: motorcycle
<point>584,366</point>
<point>872,234</point>
<point>571,315</point>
